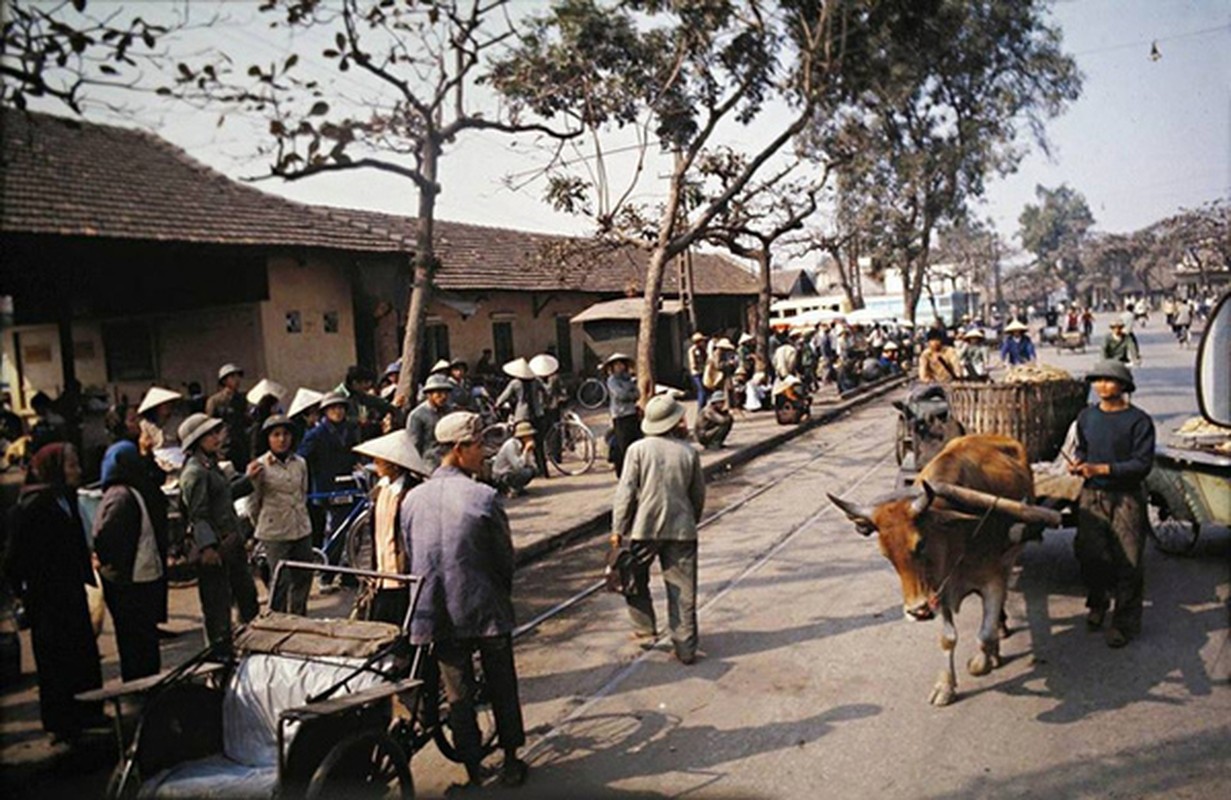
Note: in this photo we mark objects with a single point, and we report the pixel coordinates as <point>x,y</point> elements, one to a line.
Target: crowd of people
<point>287,452</point>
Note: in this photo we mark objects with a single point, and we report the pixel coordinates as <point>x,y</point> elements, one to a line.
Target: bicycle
<point>571,446</point>
<point>339,545</point>
<point>592,393</point>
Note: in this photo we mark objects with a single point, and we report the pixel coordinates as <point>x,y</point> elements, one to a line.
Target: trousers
<point>678,561</point>
<point>220,586</point>
<point>292,583</point>
<point>455,658</point>
<point>1111,533</point>
<point>135,609</point>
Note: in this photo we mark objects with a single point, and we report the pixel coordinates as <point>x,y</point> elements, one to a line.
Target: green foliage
<point>938,103</point>
<point>1055,230</point>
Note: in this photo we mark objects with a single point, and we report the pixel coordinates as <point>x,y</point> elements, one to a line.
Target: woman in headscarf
<point>130,541</point>
<point>48,564</point>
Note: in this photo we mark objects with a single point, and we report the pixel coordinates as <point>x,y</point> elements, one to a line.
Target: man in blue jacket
<point>327,449</point>
<point>1115,451</point>
<point>457,538</point>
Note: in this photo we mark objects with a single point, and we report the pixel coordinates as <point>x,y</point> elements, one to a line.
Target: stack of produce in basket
<point>1035,404</point>
<point>1197,434</point>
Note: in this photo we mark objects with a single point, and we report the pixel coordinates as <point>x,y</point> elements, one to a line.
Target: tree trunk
<point>647,333</point>
<point>764,299</point>
<point>423,270</point>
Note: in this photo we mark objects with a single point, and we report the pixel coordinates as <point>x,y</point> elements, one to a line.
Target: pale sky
<point>1146,138</point>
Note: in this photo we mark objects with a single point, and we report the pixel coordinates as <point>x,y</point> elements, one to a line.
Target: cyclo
<point>291,706</point>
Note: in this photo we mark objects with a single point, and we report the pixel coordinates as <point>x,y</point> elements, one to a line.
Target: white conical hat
<point>303,400</point>
<point>398,448</point>
<point>544,365</point>
<point>518,368</point>
<point>263,387</point>
<point>155,397</point>
<point>440,366</point>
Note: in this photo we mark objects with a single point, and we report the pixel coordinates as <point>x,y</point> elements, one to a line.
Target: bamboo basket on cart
<point>1036,414</point>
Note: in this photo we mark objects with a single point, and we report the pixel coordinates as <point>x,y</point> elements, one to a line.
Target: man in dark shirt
<point>1115,450</point>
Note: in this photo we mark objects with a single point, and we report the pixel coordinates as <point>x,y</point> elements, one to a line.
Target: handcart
<point>291,706</point>
<point>1190,489</point>
<point>1072,340</point>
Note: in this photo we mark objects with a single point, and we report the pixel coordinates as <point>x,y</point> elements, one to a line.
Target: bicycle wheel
<point>592,393</point>
<point>571,447</point>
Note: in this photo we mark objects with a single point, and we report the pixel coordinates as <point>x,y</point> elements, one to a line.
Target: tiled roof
<point>474,257</point>
<point>73,178</point>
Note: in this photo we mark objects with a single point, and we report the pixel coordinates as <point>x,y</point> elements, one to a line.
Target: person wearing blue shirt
<point>1017,347</point>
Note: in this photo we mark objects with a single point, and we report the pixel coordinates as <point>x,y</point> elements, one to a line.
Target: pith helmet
<point>662,413</point>
<point>1116,370</point>
<point>196,426</point>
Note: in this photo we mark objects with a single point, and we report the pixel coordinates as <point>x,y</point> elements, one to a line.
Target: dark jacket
<point>117,524</point>
<point>327,449</point>
<point>457,539</point>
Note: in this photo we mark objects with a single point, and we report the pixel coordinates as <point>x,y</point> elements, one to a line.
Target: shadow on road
<point>586,755</point>
<point>1176,659</point>
<point>1196,763</point>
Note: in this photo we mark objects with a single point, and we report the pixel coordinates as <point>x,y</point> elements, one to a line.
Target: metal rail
<point>597,586</point>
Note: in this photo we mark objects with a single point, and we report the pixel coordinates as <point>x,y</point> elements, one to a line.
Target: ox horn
<point>973,498</point>
<point>921,503</point>
<point>861,516</point>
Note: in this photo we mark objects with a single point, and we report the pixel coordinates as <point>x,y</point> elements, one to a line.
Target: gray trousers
<point>1111,534</point>
<point>218,587</point>
<point>293,582</point>
<point>678,561</point>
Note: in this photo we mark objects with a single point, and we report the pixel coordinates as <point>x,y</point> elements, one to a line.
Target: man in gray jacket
<point>658,504</point>
<point>457,539</point>
<point>209,510</point>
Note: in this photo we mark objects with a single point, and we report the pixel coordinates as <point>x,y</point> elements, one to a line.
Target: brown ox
<point>955,534</point>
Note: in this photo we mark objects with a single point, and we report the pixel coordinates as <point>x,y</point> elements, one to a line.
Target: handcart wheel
<point>369,764</point>
<point>1171,534</point>
<point>1175,537</point>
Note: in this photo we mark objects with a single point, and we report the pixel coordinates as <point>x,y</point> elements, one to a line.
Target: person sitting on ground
<point>513,469</point>
<point>1017,347</point>
<point>889,359</point>
<point>756,391</point>
<point>1121,346</point>
<point>527,396</point>
<point>457,534</point>
<point>714,422</point>
<point>421,424</point>
<point>791,405</point>
<point>381,549</point>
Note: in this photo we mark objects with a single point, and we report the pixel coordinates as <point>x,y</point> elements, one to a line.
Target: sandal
<point>513,772</point>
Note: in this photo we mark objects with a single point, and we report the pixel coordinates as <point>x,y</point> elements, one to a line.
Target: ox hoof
<point>982,663</point>
<point>942,695</point>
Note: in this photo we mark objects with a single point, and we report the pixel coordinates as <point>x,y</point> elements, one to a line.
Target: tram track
<point>764,556</point>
